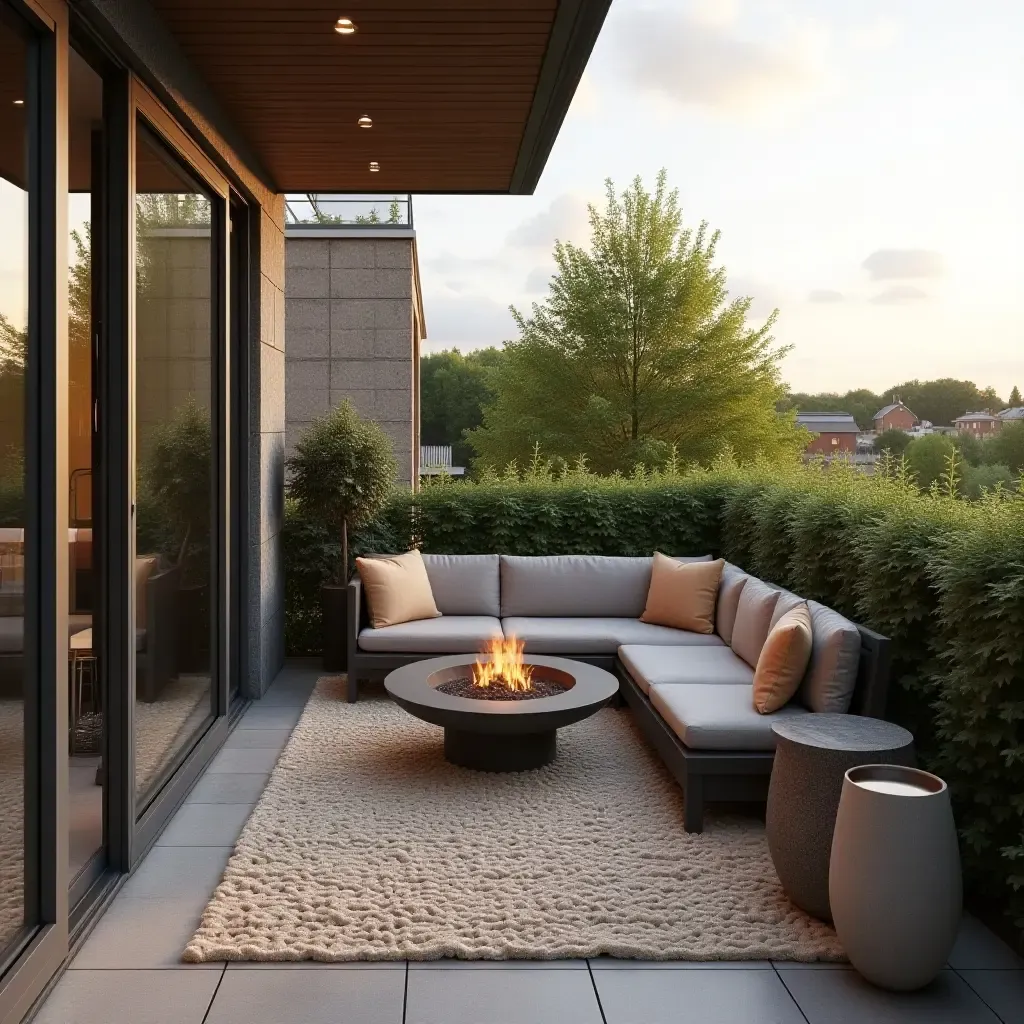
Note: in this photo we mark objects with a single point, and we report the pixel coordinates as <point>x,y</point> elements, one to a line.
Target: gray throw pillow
<point>753,620</point>
<point>831,676</point>
<point>786,603</point>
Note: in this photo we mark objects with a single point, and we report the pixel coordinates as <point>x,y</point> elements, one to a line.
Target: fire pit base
<point>491,752</point>
<point>500,735</point>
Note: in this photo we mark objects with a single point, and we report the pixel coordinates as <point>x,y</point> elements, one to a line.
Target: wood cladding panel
<point>449,84</point>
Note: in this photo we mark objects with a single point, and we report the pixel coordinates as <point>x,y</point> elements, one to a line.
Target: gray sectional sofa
<point>690,693</point>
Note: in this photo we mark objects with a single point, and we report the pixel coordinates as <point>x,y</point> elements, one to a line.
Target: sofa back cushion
<point>831,675</point>
<point>729,590</point>
<point>576,585</point>
<point>464,584</point>
<point>786,603</point>
<point>753,620</point>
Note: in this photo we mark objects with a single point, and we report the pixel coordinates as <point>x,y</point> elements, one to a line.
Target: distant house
<point>837,432</point>
<point>978,424</point>
<point>1014,415</point>
<point>895,416</point>
<point>436,460</point>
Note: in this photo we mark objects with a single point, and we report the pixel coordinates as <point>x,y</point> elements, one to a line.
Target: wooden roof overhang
<point>465,95</point>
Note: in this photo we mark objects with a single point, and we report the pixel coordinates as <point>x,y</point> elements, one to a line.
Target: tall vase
<point>894,879</point>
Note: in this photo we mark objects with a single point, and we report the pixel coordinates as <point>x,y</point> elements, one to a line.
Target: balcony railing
<point>319,209</point>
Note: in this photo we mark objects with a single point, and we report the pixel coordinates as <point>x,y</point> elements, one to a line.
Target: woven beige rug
<point>368,845</point>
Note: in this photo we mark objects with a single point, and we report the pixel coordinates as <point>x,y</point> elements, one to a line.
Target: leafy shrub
<point>979,479</point>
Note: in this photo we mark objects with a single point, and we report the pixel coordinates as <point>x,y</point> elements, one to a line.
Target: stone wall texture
<point>354,333</point>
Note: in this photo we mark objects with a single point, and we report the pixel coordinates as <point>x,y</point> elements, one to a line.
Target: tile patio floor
<point>128,970</point>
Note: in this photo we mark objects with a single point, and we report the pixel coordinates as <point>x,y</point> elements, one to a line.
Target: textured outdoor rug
<point>368,845</point>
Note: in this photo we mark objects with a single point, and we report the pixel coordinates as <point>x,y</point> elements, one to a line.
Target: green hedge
<point>943,578</point>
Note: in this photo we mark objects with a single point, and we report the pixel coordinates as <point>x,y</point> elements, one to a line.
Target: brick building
<point>978,424</point>
<point>895,416</point>
<point>836,432</point>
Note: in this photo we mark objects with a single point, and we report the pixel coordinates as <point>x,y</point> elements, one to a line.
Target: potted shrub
<point>341,473</point>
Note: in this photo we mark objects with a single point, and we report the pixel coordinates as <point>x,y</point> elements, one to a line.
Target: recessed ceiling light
<point>344,26</point>
<point>19,103</point>
<point>374,166</point>
<point>365,121</point>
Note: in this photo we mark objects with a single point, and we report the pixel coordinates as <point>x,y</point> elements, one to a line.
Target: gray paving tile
<point>501,997</point>
<point>271,717</point>
<point>818,965</point>
<point>206,825</point>
<point>287,694</point>
<point>844,997</point>
<point>497,965</point>
<point>977,948</point>
<point>138,997</point>
<point>178,872</point>
<point>228,788</point>
<point>140,933</point>
<point>1002,990</point>
<point>610,963</point>
<point>246,761</point>
<point>263,739</point>
<point>704,996</point>
<point>309,997</point>
<point>315,965</point>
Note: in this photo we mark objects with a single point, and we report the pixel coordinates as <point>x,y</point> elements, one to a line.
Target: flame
<point>505,667</point>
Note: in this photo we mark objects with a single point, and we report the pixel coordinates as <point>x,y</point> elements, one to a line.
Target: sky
<point>864,163</point>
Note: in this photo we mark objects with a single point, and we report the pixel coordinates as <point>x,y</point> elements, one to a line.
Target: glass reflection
<point>175,472</point>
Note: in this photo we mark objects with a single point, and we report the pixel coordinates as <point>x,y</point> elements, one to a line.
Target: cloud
<point>899,294</point>
<point>878,35</point>
<point>538,279</point>
<point>694,59</point>
<point>890,264</point>
<point>824,296</point>
<point>587,100</point>
<point>565,219</point>
<point>452,263</point>
<point>467,320</point>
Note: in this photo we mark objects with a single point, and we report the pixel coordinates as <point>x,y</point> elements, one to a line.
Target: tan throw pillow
<point>145,566</point>
<point>783,661</point>
<point>397,588</point>
<point>683,594</point>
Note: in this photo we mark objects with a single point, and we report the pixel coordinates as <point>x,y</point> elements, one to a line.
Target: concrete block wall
<point>354,332</point>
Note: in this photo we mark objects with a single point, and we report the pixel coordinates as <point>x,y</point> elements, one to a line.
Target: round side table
<point>812,754</point>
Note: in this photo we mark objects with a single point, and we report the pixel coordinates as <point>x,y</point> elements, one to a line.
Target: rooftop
<point>839,422</point>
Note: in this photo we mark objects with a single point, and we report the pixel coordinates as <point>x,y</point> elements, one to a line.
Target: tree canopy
<point>637,348</point>
<point>454,387</point>
<point>1015,399</point>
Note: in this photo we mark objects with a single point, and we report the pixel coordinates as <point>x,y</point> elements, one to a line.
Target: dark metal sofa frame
<point>727,775</point>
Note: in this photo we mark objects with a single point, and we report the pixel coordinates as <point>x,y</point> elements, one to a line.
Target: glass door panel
<point>175,582</point>
<point>86,775</point>
<point>17,341</point>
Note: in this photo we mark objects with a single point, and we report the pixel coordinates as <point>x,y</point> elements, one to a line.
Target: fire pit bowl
<point>496,735</point>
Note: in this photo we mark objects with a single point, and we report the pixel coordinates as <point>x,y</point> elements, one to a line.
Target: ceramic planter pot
<point>894,879</point>
<point>334,616</point>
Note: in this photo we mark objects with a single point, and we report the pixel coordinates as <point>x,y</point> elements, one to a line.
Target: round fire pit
<point>495,735</point>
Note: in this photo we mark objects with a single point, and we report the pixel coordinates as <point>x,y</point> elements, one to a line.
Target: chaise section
<point>712,716</point>
<point>449,634</point>
<point>571,635</point>
<point>668,666</point>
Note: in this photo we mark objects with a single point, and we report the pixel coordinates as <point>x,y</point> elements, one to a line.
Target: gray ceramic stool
<point>812,754</point>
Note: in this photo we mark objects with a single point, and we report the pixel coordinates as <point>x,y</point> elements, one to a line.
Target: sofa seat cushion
<point>553,635</point>
<point>447,634</point>
<point>672,666</point>
<point>709,716</point>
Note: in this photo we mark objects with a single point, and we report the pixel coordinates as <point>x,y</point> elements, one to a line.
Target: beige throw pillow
<point>683,594</point>
<point>783,661</point>
<point>397,588</point>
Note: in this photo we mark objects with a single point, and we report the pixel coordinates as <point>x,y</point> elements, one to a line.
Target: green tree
<point>894,441</point>
<point>1015,399</point>
<point>972,449</point>
<point>941,401</point>
<point>454,387</point>
<point>978,479</point>
<point>638,348</point>
<point>1007,447</point>
<point>342,472</point>
<point>928,457</point>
